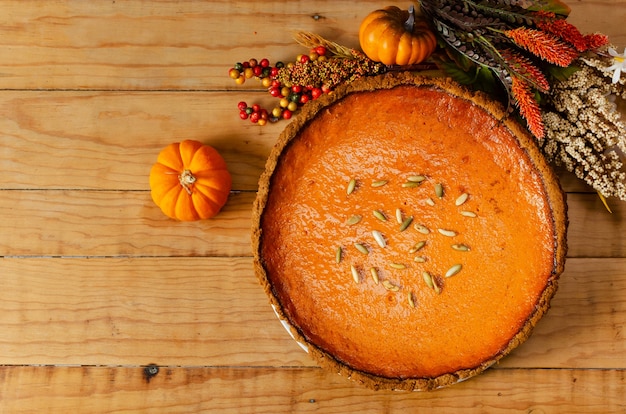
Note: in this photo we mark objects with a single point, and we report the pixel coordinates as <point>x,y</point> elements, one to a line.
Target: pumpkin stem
<point>410,22</point>
<point>186,180</point>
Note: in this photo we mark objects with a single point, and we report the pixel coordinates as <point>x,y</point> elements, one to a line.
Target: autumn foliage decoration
<point>519,41</point>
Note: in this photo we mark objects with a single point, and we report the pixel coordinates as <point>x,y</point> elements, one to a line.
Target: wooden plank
<point>270,390</point>
<point>185,44</point>
<point>116,223</point>
<point>128,223</point>
<point>211,311</point>
<point>593,231</point>
<point>96,140</point>
<point>169,311</point>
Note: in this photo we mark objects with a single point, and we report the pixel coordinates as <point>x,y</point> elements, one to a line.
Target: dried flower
<point>331,72</point>
<point>619,64</point>
<point>514,39</point>
<point>544,45</point>
<point>525,69</point>
<point>583,130</point>
<point>528,106</point>
<point>549,23</point>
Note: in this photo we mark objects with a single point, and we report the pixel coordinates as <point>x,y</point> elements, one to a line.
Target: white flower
<point>619,64</point>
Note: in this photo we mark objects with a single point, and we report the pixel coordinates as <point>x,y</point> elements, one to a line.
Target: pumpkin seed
<point>439,190</point>
<point>390,286</point>
<point>419,259</point>
<point>361,248</point>
<point>436,286</point>
<point>430,202</point>
<point>468,213</point>
<point>374,274</point>
<point>351,186</point>
<point>378,236</point>
<point>461,247</point>
<point>353,220</point>
<point>410,184</point>
<point>399,216</point>
<point>428,279</point>
<point>421,228</point>
<point>419,245</point>
<point>454,270</point>
<point>406,223</point>
<point>379,183</point>
<point>379,215</point>
<point>355,274</point>
<point>338,253</point>
<point>411,300</point>
<point>448,233</point>
<point>461,199</point>
<point>397,265</point>
<point>416,178</point>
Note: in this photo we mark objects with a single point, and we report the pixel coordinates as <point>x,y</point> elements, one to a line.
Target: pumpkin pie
<point>408,232</point>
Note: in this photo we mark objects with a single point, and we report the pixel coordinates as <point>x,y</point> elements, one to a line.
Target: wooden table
<point>97,284</point>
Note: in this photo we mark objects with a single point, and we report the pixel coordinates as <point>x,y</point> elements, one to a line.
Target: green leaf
<point>485,80</point>
<point>462,76</point>
<point>555,6</point>
<point>561,74</point>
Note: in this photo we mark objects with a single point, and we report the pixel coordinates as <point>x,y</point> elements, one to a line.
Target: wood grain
<point>298,390</point>
<point>185,45</point>
<point>116,223</point>
<point>109,140</point>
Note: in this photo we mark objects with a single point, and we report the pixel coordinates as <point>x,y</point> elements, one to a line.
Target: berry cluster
<point>291,97</point>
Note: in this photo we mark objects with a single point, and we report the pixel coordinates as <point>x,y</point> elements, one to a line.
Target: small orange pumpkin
<point>190,181</point>
<point>396,37</point>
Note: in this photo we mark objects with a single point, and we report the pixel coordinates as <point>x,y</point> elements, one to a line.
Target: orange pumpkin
<point>396,37</point>
<point>190,181</point>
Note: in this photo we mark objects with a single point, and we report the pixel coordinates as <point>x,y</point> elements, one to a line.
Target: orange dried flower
<point>528,106</point>
<point>543,45</point>
<point>596,40</point>
<point>559,27</point>
<point>526,69</point>
<point>562,29</point>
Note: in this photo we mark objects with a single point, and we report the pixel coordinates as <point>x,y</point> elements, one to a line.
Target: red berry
<point>256,108</point>
<point>275,92</point>
<point>325,89</point>
<point>253,62</point>
<point>316,93</point>
<point>243,115</point>
<point>245,64</point>
<point>257,70</point>
<point>264,114</point>
<point>265,63</point>
<point>304,98</point>
<point>296,88</point>
<point>287,114</point>
<point>242,106</point>
<point>274,72</point>
<point>320,50</point>
<point>254,117</point>
<point>304,58</point>
<point>276,84</point>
